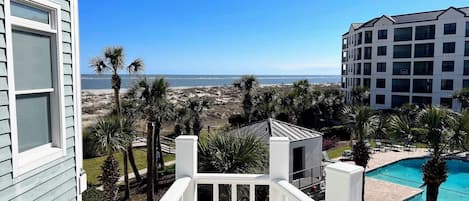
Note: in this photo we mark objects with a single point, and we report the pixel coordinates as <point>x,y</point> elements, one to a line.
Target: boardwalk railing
<point>191,185</point>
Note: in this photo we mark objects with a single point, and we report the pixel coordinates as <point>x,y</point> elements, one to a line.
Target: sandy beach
<point>225,101</point>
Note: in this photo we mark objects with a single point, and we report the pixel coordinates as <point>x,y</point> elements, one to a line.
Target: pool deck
<point>386,191</point>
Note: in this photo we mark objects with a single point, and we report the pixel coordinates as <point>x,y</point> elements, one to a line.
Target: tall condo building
<point>420,58</point>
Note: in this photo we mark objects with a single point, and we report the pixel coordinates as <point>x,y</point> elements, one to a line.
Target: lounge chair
<point>325,158</point>
<point>347,155</point>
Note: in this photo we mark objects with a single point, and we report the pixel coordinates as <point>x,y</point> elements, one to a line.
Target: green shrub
<point>92,194</point>
<point>90,148</point>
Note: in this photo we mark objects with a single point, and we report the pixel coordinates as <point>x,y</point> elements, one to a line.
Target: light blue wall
<point>56,180</point>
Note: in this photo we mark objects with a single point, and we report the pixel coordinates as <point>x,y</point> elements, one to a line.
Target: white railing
<point>189,181</point>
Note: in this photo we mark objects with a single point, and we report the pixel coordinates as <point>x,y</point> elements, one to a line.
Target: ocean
<point>92,81</point>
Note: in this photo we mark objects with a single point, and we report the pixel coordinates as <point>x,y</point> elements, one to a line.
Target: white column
<point>279,163</point>
<point>344,182</point>
<point>186,163</point>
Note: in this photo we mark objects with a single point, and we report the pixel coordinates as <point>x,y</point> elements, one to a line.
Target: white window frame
<point>34,158</point>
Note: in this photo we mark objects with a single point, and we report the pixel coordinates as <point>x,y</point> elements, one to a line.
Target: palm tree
<point>113,62</point>
<point>460,137</point>
<point>360,94</point>
<point>153,106</point>
<point>196,107</point>
<point>247,84</point>
<point>228,153</point>
<point>361,121</point>
<point>111,140</point>
<point>402,127</point>
<point>437,124</point>
<point>463,97</point>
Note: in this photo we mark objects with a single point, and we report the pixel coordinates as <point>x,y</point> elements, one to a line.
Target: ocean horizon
<point>93,81</point>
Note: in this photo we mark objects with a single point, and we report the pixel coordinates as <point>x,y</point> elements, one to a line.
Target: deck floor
<point>386,191</point>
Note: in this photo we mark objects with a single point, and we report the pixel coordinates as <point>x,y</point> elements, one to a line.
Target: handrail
<point>177,189</point>
<point>209,178</point>
<point>291,191</point>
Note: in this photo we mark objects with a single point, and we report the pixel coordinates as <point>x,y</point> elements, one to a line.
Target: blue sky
<point>232,36</point>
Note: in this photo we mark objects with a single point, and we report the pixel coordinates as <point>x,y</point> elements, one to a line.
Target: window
<point>466,67</point>
<point>401,68</point>
<point>380,99</point>
<point>446,102</point>
<point>424,50</point>
<point>367,53</point>
<point>368,36</point>
<point>382,34</point>
<point>465,83</point>
<point>367,69</point>
<point>425,32</point>
<point>36,105</point>
<point>449,47</point>
<point>357,82</point>
<point>400,85</point>
<point>381,83</point>
<point>402,51</point>
<point>344,43</point>
<point>358,69</point>
<point>422,86</point>
<point>467,29</point>
<point>450,28</point>
<point>381,67</point>
<point>358,55</point>
<point>421,100</point>
<point>382,51</point>
<point>367,82</point>
<point>358,37</point>
<point>403,34</point>
<point>466,48</point>
<point>446,84</point>
<point>447,66</point>
<point>398,101</point>
<point>423,68</point>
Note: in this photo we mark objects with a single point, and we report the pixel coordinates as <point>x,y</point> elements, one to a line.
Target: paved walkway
<point>386,191</point>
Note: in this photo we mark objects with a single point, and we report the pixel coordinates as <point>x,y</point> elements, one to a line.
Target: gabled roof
<point>275,128</point>
<point>414,17</point>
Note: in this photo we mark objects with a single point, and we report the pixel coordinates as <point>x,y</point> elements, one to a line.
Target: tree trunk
<point>126,175</point>
<point>363,186</point>
<point>158,143</point>
<point>133,164</point>
<point>150,163</point>
<point>432,192</point>
<point>157,150</point>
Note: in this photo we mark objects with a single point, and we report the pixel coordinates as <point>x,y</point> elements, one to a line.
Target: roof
<point>413,17</point>
<point>275,128</point>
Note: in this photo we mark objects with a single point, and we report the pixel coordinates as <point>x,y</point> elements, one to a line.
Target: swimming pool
<point>408,172</point>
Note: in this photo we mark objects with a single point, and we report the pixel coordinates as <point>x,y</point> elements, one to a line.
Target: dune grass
<point>92,166</point>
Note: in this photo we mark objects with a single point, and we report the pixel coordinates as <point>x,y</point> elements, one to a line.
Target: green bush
<point>90,148</point>
<point>92,194</point>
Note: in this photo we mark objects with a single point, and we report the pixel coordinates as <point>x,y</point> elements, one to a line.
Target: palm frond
<point>136,66</point>
<point>115,57</point>
<point>98,65</point>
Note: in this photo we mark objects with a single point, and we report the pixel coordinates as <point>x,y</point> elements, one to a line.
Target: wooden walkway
<point>167,144</point>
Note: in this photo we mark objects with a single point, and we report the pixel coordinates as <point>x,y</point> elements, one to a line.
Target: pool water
<point>408,172</point>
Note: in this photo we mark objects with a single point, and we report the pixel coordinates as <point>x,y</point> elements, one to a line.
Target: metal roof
<point>275,128</point>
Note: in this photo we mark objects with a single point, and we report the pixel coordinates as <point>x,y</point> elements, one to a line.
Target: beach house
<point>305,148</point>
<point>40,115</point>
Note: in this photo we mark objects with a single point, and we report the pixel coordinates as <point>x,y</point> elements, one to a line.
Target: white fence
<point>277,181</point>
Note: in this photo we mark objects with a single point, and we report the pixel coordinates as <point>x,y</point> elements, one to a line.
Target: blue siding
<point>55,180</point>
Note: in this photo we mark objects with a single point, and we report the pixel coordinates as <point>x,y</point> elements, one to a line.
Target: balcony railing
<point>219,186</point>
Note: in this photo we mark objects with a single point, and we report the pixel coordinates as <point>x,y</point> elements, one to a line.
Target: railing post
<point>279,164</point>
<point>344,182</point>
<point>186,163</point>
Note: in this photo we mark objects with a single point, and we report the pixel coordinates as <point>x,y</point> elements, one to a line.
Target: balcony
<point>343,181</point>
